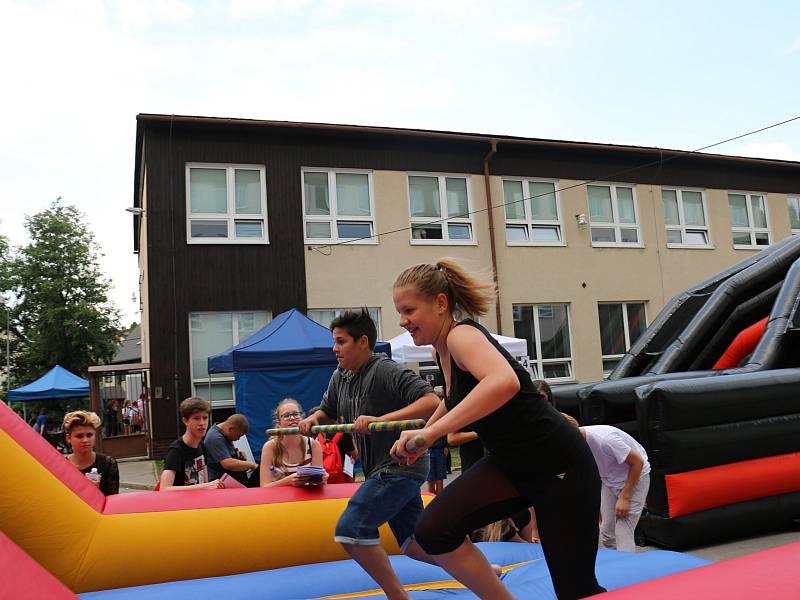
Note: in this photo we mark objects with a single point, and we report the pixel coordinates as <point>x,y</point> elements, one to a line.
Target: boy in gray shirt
<point>370,387</point>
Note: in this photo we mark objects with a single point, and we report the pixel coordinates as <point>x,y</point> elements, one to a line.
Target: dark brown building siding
<point>186,278</point>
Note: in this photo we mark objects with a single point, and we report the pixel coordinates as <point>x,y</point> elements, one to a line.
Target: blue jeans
<point>438,468</point>
<point>382,498</point>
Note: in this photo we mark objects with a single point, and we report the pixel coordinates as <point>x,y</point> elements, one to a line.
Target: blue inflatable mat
<point>524,565</point>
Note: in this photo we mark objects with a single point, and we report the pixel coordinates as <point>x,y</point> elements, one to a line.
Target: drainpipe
<point>490,212</point>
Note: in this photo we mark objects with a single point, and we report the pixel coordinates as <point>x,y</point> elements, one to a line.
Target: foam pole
<point>349,427</point>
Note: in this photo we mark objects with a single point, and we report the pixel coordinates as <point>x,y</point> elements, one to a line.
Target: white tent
<point>404,351</point>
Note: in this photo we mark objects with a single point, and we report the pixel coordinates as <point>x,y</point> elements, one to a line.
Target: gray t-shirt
<point>379,387</point>
<point>218,448</point>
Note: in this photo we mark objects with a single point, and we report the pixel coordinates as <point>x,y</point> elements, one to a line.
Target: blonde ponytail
<point>467,294</point>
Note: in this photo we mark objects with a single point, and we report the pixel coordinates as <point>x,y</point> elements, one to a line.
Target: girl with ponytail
<point>534,456</point>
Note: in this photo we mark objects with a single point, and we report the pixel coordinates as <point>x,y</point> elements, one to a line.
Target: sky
<point>677,74</point>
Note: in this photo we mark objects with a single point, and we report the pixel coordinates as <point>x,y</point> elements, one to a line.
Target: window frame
<point>538,363</point>
<point>615,215</point>
<point>333,218</point>
<point>339,310</point>
<point>530,222</point>
<point>752,230</point>
<point>683,227</point>
<point>625,328</point>
<point>230,215</point>
<point>789,198</point>
<point>200,384</point>
<point>443,221</point>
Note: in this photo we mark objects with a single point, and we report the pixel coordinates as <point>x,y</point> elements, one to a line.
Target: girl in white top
<point>282,455</point>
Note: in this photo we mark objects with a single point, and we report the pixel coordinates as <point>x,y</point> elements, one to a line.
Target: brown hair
<point>80,418</point>
<point>278,450</point>
<point>192,405</point>
<point>544,389</point>
<point>467,294</point>
<point>571,419</point>
<point>238,422</point>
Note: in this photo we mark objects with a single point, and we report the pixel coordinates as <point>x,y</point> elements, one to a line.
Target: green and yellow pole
<point>373,427</point>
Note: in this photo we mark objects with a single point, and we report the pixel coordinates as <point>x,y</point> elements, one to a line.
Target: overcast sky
<point>669,74</point>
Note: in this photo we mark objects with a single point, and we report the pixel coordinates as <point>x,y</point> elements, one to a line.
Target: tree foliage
<point>63,314</point>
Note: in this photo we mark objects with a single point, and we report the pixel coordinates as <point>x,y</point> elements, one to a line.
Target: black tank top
<point>526,433</point>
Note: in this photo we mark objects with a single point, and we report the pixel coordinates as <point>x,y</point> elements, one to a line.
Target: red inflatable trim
<point>39,448</point>
<point>145,502</point>
<point>23,577</point>
<point>742,345</point>
<point>769,574</point>
<point>702,489</point>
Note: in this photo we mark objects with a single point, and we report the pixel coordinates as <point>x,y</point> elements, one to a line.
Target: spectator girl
<point>282,455</point>
<point>535,457</point>
<point>80,429</point>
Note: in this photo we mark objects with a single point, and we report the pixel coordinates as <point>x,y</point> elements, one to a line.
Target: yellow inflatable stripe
<point>445,584</point>
<point>42,516</point>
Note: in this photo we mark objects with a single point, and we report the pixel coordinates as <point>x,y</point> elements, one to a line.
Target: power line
<point>606,177</point>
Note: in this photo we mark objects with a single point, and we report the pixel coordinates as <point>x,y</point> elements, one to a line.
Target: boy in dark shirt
<point>365,388</point>
<point>185,464</point>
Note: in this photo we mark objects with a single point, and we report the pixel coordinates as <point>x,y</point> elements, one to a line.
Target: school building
<point>238,220</point>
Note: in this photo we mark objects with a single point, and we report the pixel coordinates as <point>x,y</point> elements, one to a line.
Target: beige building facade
<point>578,276</point>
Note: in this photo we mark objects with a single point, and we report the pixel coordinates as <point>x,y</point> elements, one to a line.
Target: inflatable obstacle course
<point>710,391</point>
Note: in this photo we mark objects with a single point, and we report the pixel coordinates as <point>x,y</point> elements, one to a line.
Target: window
<point>546,328</point>
<point>532,212</point>
<point>226,204</point>
<point>324,316</point>
<point>621,324</point>
<point>748,220</point>
<point>613,215</point>
<point>685,218</point>
<point>337,206</point>
<point>211,333</point>
<point>794,214</point>
<point>445,200</point>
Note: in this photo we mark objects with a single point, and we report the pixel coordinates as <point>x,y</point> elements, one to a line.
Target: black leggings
<point>567,513</point>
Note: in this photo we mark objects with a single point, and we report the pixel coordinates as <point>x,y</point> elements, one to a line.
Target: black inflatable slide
<point>724,444</point>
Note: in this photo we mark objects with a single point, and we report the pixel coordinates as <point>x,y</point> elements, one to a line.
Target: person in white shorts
<point>625,473</point>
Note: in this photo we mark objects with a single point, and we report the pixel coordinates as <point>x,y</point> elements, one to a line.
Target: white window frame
<point>442,221</point>
<point>530,222</point>
<point>625,327</point>
<point>615,215</point>
<point>338,311</point>
<point>752,230</point>
<point>789,200</point>
<point>230,216</point>
<point>333,219</point>
<point>200,384</point>
<point>537,364</point>
<point>683,227</point>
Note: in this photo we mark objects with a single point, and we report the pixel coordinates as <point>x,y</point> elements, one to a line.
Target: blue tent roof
<point>56,383</point>
<point>290,340</point>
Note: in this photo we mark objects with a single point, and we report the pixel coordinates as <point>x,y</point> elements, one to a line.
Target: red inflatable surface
<point>767,575</point>
<point>24,578</point>
<point>742,345</point>
<point>702,489</point>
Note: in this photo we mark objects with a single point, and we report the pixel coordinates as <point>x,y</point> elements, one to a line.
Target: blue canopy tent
<point>56,383</point>
<point>292,356</point>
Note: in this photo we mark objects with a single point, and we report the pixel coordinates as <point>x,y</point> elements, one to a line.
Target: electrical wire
<point>607,177</point>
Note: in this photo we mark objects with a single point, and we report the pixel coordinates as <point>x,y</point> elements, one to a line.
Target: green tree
<point>63,314</point>
<point>5,304</point>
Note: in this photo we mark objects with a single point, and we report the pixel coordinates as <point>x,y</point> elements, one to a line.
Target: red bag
<point>332,458</point>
